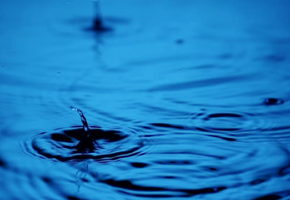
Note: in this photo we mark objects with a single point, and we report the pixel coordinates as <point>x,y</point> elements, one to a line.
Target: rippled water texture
<point>147,99</point>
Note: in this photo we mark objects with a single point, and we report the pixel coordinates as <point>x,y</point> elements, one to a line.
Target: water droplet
<point>83,119</point>
<point>86,142</point>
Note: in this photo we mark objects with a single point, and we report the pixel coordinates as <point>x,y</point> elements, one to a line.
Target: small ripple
<point>225,122</point>
<point>68,144</point>
<point>273,101</point>
<point>230,125</point>
<point>190,175</point>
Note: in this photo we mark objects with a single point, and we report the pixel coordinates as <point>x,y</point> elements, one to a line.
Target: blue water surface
<point>184,99</point>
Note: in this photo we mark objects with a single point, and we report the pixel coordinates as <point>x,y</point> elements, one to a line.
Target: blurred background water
<point>185,99</point>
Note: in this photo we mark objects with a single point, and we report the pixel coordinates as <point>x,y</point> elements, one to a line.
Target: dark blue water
<point>129,100</point>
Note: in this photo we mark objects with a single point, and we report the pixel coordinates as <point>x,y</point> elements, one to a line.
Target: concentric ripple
<point>190,100</point>
<point>240,124</point>
<point>69,144</point>
<point>227,122</point>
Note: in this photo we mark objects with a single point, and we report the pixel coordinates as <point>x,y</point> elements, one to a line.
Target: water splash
<point>83,119</point>
<point>87,141</point>
<point>98,25</point>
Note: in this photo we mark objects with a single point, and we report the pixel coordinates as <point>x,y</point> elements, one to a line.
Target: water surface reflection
<point>178,100</point>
